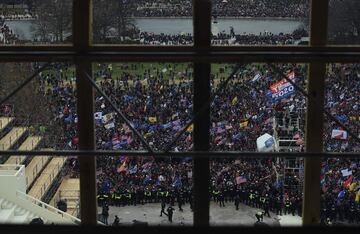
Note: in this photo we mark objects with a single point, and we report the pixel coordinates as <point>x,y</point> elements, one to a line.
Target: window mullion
<point>85,109</point>
<point>202,33</point>
<point>315,116</point>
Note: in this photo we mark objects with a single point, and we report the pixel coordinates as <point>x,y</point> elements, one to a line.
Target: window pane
<point>257,103</point>
<point>143,22</point>
<point>340,176</point>
<point>258,110</point>
<point>260,22</point>
<point>137,189</point>
<point>36,22</point>
<point>343,23</point>
<point>256,192</point>
<point>38,117</point>
<point>155,97</point>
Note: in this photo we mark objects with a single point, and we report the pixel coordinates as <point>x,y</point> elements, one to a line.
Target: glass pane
<point>38,117</point>
<point>156,98</point>
<point>257,110</point>
<point>343,22</point>
<point>36,22</point>
<point>257,105</point>
<point>140,191</point>
<point>340,176</point>
<point>142,22</point>
<point>260,22</point>
<point>256,192</point>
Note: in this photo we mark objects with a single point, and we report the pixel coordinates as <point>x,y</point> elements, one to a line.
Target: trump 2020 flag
<point>338,134</point>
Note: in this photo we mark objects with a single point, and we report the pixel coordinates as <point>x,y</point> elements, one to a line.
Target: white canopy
<point>265,143</point>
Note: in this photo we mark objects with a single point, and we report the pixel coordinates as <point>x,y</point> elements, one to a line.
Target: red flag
<point>348,181</point>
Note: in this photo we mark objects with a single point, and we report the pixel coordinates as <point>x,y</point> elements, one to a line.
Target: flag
<point>152,119</point>
<point>234,101</point>
<point>110,125</point>
<point>346,172</point>
<point>244,124</point>
<point>122,167</point>
<point>338,134</point>
<point>133,170</point>
<point>341,194</point>
<point>106,118</point>
<point>115,142</point>
<point>228,127</point>
<point>220,130</point>
<point>177,183</point>
<point>98,115</point>
<point>167,125</point>
<point>240,180</point>
<point>348,181</point>
<point>357,198</point>
<point>190,128</point>
<point>352,186</point>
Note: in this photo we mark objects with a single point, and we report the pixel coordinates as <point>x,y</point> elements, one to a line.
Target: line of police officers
<point>149,195</point>
<point>266,200</point>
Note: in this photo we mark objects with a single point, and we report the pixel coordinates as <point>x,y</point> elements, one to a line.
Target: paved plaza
<point>227,215</point>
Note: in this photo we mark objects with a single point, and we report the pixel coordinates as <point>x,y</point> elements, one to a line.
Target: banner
<point>122,168</point>
<point>110,125</point>
<point>244,124</point>
<point>98,115</point>
<point>234,101</point>
<point>283,88</point>
<point>106,118</point>
<point>240,180</point>
<point>346,172</point>
<point>338,134</point>
<point>190,128</point>
<point>152,119</point>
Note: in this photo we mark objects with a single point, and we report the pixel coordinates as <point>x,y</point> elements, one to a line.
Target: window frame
<point>83,53</point>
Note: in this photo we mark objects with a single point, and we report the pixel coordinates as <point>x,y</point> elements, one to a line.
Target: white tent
<point>265,143</point>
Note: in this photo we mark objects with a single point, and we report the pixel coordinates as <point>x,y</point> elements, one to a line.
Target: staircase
<point>18,207</point>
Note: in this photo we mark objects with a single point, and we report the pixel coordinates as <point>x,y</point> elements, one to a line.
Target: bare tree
<point>54,18</point>
<point>104,19</point>
<point>344,22</point>
<point>113,14</point>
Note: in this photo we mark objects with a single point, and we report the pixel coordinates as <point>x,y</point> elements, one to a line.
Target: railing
<point>35,201</point>
<point>9,142</point>
<point>48,180</point>
<point>10,167</point>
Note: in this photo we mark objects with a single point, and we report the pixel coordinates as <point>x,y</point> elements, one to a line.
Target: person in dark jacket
<point>170,212</point>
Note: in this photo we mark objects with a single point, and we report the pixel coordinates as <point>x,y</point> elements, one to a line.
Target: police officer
<point>105,213</point>
<point>251,197</point>
<point>287,206</point>
<point>163,204</point>
<point>216,195</point>
<point>267,208</point>
<point>278,204</point>
<point>117,199</point>
<point>147,195</point>
<point>100,198</point>
<point>170,212</point>
<point>352,212</point>
<point>221,199</point>
<point>180,199</point>
<point>237,201</point>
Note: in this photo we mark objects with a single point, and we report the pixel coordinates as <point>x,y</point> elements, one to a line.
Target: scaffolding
<point>286,125</point>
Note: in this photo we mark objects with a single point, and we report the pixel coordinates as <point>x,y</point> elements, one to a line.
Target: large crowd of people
<point>158,102</point>
<point>226,8</point>
<point>7,36</point>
